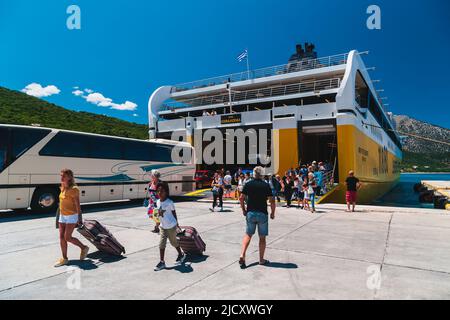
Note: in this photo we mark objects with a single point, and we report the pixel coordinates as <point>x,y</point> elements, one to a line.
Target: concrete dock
<point>441,189</point>
<point>376,253</point>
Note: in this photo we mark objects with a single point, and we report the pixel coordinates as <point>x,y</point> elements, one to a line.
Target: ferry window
<point>361,91</point>
<point>66,144</point>
<point>106,148</point>
<point>3,149</point>
<point>23,139</point>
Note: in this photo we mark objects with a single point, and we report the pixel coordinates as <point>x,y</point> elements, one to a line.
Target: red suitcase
<point>101,238</point>
<point>190,241</point>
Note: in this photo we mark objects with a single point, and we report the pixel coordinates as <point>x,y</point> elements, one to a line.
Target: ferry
<point>317,109</point>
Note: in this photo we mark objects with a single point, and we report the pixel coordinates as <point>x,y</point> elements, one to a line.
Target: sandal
<point>242,263</point>
<point>264,262</point>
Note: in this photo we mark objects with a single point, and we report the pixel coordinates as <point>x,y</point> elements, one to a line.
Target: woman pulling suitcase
<point>69,217</point>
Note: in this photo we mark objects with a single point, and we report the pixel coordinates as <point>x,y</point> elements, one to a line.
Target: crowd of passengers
<point>302,184</point>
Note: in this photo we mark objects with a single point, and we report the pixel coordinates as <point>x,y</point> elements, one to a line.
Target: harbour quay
<point>375,253</point>
<point>435,192</point>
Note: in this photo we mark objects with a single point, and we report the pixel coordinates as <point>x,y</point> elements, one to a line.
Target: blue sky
<point>127,49</point>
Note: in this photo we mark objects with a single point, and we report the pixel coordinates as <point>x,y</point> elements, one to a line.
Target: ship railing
<point>257,94</point>
<point>291,67</point>
<point>328,180</point>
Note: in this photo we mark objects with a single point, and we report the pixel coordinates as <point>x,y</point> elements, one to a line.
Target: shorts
<point>351,196</point>
<point>300,195</point>
<point>170,234</point>
<point>260,220</point>
<point>228,187</point>
<point>72,219</point>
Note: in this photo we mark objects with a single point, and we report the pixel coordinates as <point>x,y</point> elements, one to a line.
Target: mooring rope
<point>410,134</point>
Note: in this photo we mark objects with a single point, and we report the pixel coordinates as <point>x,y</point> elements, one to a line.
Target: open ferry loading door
<point>318,142</point>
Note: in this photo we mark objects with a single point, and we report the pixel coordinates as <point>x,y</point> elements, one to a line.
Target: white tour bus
<point>106,168</point>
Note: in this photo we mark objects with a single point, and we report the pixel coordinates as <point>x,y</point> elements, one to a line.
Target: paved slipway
<point>328,255</point>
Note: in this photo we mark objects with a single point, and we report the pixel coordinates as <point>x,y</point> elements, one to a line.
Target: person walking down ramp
<point>165,212</point>
<point>257,193</point>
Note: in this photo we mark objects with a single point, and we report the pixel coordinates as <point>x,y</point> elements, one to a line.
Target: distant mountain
<point>20,108</point>
<point>420,154</point>
<point>409,125</point>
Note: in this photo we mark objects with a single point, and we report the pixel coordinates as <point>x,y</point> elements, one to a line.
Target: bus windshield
<point>14,142</point>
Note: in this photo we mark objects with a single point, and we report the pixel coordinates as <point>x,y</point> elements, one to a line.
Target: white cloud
<point>77,93</point>
<point>37,90</point>
<point>100,100</point>
<point>127,106</point>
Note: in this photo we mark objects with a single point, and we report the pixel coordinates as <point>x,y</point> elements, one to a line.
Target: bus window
<point>162,153</point>
<point>66,144</point>
<point>3,149</point>
<point>106,148</point>
<point>147,151</point>
<point>24,139</point>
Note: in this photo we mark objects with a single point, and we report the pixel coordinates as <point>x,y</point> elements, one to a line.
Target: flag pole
<point>248,66</point>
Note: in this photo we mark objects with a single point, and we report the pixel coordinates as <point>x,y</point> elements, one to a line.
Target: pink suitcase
<point>101,238</point>
<point>190,241</point>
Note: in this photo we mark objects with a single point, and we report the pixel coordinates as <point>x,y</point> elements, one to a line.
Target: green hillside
<point>19,108</point>
<point>425,162</point>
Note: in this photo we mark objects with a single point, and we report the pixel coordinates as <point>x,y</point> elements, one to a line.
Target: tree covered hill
<point>22,109</point>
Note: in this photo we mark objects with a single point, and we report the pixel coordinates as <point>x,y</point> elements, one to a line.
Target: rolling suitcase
<point>190,241</point>
<point>101,238</point>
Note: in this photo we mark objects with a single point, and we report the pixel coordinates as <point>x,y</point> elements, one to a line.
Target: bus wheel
<point>45,200</point>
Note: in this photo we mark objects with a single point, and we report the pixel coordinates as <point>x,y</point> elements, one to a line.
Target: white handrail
<point>256,94</point>
<point>306,64</point>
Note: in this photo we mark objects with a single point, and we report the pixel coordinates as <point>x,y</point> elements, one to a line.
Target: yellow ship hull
<point>373,164</point>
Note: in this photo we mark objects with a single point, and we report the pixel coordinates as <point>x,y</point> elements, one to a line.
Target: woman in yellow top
<point>69,216</point>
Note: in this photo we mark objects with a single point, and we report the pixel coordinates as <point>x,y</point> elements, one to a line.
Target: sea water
<point>403,195</point>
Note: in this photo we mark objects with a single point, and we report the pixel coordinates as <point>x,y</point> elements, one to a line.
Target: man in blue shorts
<point>257,192</point>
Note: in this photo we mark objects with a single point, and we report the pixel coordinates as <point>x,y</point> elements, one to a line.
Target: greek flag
<point>243,55</point>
